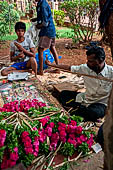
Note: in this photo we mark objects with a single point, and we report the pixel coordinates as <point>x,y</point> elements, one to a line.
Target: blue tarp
<point>49,57</point>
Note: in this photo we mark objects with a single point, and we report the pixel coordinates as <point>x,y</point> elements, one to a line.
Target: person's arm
<point>30,53</point>
<point>15,58</point>
<point>60,66</point>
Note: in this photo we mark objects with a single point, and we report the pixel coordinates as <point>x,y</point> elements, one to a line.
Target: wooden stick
<point>79,74</point>
<point>23,114</point>
<point>14,114</point>
<point>37,159</point>
<point>54,154</point>
<point>71,160</point>
<point>43,115</point>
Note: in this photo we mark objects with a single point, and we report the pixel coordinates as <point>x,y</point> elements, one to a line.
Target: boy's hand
<point>21,55</point>
<point>18,46</point>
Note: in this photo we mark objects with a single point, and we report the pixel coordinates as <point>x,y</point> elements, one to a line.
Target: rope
<point>79,74</point>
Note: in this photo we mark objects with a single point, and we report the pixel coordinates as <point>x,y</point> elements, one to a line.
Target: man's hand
<point>18,46</point>
<point>47,62</point>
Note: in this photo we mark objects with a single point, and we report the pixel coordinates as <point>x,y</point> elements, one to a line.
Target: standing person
<point>92,104</point>
<point>47,32</point>
<point>22,52</point>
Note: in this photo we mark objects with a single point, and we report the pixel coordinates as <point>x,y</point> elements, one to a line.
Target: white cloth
<point>33,33</point>
<point>26,44</point>
<point>97,91</point>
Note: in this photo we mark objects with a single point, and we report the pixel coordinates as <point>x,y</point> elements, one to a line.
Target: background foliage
<point>8,17</point>
<point>83,16</point>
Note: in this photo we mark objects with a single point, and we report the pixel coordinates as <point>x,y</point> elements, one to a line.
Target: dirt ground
<point>74,55</point>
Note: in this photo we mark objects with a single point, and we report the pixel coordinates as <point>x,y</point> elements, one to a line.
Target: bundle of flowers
<point>29,141</point>
<point>21,106</point>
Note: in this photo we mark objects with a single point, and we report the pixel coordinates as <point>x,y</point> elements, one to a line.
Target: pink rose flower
<point>36,138</point>
<point>35,154</point>
<point>55,137</point>
<point>52,124</point>
<point>27,138</point>
<point>79,129</point>
<point>11,163</point>
<point>63,125</point>
<point>71,129</point>
<point>24,134</point>
<point>28,150</point>
<point>48,131</point>
<point>42,136</point>
<point>72,136</point>
<point>2,133</point>
<point>62,133</point>
<point>36,148</point>
<point>36,143</point>
<point>83,138</point>
<point>73,123</point>
<point>2,140</point>
<point>40,104</point>
<point>71,141</point>
<point>27,144</point>
<point>63,139</point>
<point>14,156</point>
<point>60,128</point>
<point>15,149</point>
<point>44,120</point>
<point>4,164</point>
<point>34,128</point>
<point>90,142</point>
<point>79,142</point>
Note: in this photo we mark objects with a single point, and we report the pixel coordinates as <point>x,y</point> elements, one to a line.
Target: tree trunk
<point>108,136</point>
<point>108,27</point>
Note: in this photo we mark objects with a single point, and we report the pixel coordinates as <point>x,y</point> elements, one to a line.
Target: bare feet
<point>36,76</point>
<point>40,73</point>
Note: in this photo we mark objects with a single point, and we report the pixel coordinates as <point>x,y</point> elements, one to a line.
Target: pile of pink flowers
<point>13,156</point>
<point>47,133</point>
<point>22,106</point>
<point>28,146</point>
<point>2,137</point>
<point>70,133</point>
<point>11,161</point>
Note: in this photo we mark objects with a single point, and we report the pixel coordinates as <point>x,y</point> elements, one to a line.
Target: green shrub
<point>59,16</point>
<point>8,17</point>
<point>78,12</point>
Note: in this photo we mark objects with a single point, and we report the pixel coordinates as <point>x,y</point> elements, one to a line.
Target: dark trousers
<point>91,113</point>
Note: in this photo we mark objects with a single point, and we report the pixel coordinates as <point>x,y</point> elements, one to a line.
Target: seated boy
<point>22,52</point>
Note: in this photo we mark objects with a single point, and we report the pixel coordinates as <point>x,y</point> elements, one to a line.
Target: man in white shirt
<point>92,104</point>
